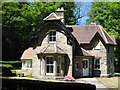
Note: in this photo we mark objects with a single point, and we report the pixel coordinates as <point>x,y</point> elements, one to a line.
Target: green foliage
<point>6,65</point>
<point>20,19</point>
<point>107,14</point>
<point>10,62</point>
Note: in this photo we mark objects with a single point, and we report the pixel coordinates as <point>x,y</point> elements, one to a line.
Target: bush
<point>6,67</point>
<point>10,64</point>
<point>18,84</point>
<point>6,71</point>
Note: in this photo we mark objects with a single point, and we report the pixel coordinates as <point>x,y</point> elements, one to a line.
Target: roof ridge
<point>108,35</point>
<point>101,29</point>
<point>81,25</point>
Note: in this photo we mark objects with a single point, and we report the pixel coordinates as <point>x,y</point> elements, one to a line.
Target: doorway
<point>85,67</point>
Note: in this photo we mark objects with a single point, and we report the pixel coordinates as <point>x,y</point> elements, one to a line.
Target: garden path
<point>98,84</point>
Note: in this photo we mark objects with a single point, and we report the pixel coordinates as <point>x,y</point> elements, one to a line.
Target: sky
<point>84,8</point>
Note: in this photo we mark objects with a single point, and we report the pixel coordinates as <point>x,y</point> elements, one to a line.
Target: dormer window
<point>52,36</point>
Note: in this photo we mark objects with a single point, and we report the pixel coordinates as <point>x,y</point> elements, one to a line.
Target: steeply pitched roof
<point>52,16</point>
<point>52,49</point>
<point>85,33</point>
<point>27,54</point>
<point>86,53</point>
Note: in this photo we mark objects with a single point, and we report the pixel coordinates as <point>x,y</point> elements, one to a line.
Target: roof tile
<point>27,54</point>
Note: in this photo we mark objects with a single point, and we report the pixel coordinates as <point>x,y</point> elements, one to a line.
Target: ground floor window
<point>49,64</point>
<point>97,64</point>
<point>26,64</point>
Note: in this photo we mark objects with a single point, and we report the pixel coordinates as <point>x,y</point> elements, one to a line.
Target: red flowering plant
<point>69,78</point>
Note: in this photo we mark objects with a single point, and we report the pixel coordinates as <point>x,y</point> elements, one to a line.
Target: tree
<point>107,14</point>
<point>20,19</point>
<point>81,11</point>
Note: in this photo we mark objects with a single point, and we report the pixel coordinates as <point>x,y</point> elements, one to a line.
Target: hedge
<point>10,64</point>
<point>18,84</point>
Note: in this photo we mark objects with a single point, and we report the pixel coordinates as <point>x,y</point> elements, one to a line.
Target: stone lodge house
<point>58,50</point>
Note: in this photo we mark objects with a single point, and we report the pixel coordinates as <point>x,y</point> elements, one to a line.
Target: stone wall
<point>110,59</point>
<point>100,54</point>
<point>78,72</point>
<point>61,41</point>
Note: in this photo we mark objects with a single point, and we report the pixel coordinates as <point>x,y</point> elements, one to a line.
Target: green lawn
<point>25,72</point>
<point>111,83</point>
<point>118,74</point>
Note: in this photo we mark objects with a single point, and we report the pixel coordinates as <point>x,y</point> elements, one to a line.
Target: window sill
<point>51,42</point>
<point>97,49</point>
<point>96,69</point>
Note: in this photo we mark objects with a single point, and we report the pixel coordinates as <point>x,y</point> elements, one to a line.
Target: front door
<point>85,67</point>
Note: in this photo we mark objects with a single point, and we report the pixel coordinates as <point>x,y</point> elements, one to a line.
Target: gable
<point>44,29</point>
<point>84,34</point>
<point>52,16</point>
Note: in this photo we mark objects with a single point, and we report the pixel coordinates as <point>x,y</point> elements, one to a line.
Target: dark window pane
<point>58,69</point>
<point>83,64</point>
<point>47,69</point>
<point>50,33</point>
<point>50,38</point>
<point>54,38</point>
<point>51,62</point>
<point>54,33</point>
<point>96,66</point>
<point>51,69</point>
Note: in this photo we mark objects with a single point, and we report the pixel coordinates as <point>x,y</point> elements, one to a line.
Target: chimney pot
<point>60,14</point>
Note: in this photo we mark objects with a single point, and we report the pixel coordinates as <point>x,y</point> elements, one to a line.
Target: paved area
<point>99,86</point>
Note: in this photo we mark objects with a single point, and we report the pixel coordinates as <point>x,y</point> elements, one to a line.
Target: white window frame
<point>49,65</point>
<point>96,64</point>
<point>52,37</point>
<point>23,64</point>
<point>27,64</point>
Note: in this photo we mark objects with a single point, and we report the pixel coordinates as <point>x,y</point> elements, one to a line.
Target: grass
<point>117,74</point>
<point>65,81</point>
<point>110,83</point>
<point>25,72</point>
<point>6,65</point>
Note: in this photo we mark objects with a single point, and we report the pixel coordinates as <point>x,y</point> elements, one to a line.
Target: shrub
<point>22,84</point>
<point>10,64</point>
<point>6,67</point>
